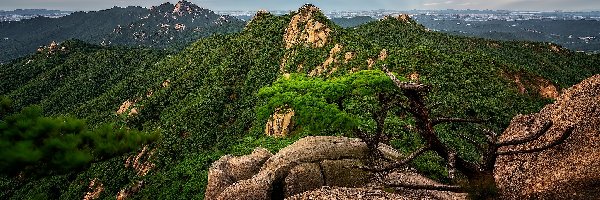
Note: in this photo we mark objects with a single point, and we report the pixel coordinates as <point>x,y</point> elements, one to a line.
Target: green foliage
<point>6,105</point>
<point>222,89</point>
<point>32,143</point>
<point>64,82</point>
<point>337,105</point>
<point>130,26</point>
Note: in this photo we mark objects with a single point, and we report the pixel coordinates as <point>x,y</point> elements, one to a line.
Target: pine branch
<point>406,85</point>
<point>400,163</point>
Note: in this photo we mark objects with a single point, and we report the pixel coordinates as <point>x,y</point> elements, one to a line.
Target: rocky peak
<point>163,7</point>
<point>401,17</point>
<point>183,7</point>
<point>404,18</point>
<point>261,14</point>
<point>305,28</point>
<point>309,9</point>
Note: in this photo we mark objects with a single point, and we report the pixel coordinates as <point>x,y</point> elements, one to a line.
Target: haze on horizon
<point>327,5</point>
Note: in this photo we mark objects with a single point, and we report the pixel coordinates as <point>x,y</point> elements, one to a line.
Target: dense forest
<point>171,114</point>
<point>166,26</point>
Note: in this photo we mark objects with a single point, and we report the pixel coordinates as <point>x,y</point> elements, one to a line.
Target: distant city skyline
<point>326,5</point>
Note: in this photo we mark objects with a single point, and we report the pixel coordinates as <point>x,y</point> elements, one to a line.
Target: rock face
<point>304,177</point>
<point>228,170</point>
<point>280,123</point>
<point>94,189</point>
<point>401,17</point>
<point>329,61</point>
<point>340,193</point>
<point>404,18</point>
<point>305,29</point>
<point>141,162</point>
<point>416,179</point>
<point>343,193</point>
<point>306,165</point>
<point>566,171</point>
<point>344,173</point>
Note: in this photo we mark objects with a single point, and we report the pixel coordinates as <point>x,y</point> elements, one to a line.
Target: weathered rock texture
<point>401,17</point>
<point>382,56</point>
<point>127,192</point>
<point>329,61</point>
<point>570,170</point>
<point>306,165</point>
<point>280,123</point>
<point>340,193</point>
<point>142,165</point>
<point>141,162</point>
<point>95,188</point>
<point>304,177</point>
<point>305,29</point>
<point>228,170</point>
<point>414,178</point>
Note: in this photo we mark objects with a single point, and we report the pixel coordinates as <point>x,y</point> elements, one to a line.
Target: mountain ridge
<point>217,96</point>
<point>130,26</point>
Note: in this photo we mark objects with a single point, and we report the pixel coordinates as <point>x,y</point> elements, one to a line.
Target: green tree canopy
<point>31,142</point>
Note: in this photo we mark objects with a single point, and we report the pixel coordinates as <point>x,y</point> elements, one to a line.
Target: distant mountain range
<point>166,26</point>
<point>169,26</point>
<point>22,14</point>
<point>578,31</point>
<point>576,34</point>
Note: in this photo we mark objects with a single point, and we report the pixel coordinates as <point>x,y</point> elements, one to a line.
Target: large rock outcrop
<point>280,123</point>
<point>304,28</point>
<point>570,170</point>
<point>228,170</point>
<point>306,165</point>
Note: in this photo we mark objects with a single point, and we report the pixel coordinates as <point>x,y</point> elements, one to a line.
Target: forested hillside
<point>166,26</point>
<point>216,96</point>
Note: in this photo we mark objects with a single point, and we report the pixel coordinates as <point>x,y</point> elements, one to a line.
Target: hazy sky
<point>330,5</point>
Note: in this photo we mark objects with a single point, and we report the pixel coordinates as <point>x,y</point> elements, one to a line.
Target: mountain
<point>577,35</point>
<point>171,25</point>
<point>21,14</point>
<point>220,94</point>
<point>165,26</point>
<point>347,22</point>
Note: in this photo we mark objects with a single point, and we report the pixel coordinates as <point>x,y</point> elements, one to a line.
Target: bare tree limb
<point>437,187</point>
<point>406,85</point>
<point>402,162</point>
<point>566,134</point>
<point>455,120</point>
<point>529,138</point>
<point>451,165</point>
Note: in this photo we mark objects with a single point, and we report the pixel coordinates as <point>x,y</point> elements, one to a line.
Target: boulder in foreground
<point>570,170</point>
